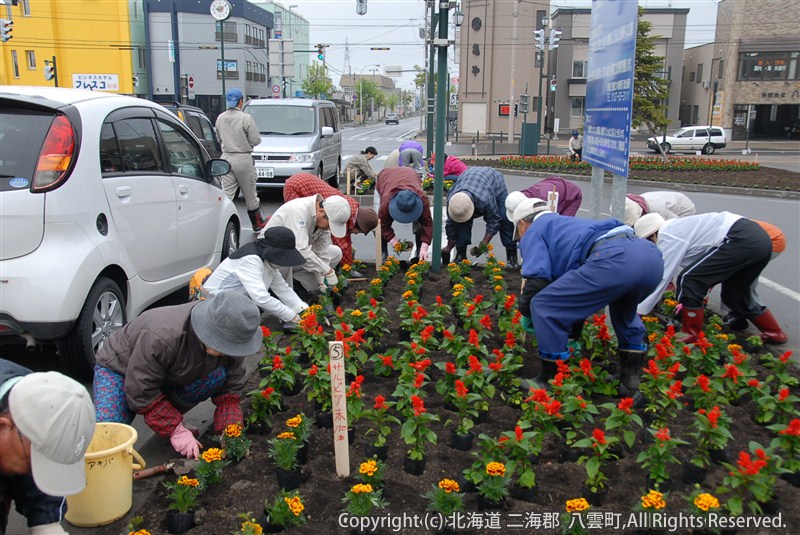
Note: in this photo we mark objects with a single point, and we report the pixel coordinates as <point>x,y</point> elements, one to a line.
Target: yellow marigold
<point>294,422</point>
<point>451,265</point>
<point>652,337</point>
<point>375,282</point>
<point>466,261</point>
<point>498,288</point>
<point>653,500</point>
<point>233,430</point>
<point>469,279</point>
<point>490,247</point>
<point>496,469</point>
<point>497,270</point>
<point>498,277</point>
<point>384,268</point>
<point>140,532</point>
<point>188,482</point>
<point>252,527</point>
<point>458,287</point>
<point>448,485</point>
<point>578,504</point>
<point>357,313</point>
<point>347,267</point>
<point>717,326</point>
<point>456,294</point>
<point>362,293</point>
<point>649,319</point>
<point>295,505</point>
<point>722,336</point>
<point>408,294</point>
<point>501,264</point>
<point>212,454</point>
<point>368,467</point>
<point>670,302</point>
<point>361,488</point>
<point>734,347</point>
<point>288,435</point>
<point>706,501</point>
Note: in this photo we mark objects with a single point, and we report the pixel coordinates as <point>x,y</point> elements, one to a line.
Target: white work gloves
<point>424,253</point>
<point>184,442</point>
<point>331,280</point>
<point>48,529</point>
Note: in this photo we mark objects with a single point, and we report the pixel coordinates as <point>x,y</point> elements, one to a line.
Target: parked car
<point>199,123</point>
<point>297,136</point>
<point>109,203</point>
<point>391,118</point>
<point>691,138</point>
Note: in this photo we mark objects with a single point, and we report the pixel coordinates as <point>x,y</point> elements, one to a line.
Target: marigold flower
<point>140,532</point>
<point>577,505</point>
<point>188,482</point>
<point>361,488</point>
<point>734,347</point>
<point>448,485</point>
<point>653,500</point>
<point>295,421</point>
<point>233,430</point>
<point>211,455</point>
<point>706,501</point>
<point>368,467</point>
<point>496,469</point>
<point>287,435</point>
<point>252,527</point>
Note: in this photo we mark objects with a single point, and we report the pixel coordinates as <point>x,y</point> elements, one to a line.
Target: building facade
<point>748,80</point>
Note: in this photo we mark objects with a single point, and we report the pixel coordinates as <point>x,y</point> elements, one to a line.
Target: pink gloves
<point>424,253</point>
<point>392,243</point>
<point>184,442</point>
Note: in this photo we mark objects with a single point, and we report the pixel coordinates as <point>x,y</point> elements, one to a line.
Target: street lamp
<point>291,38</point>
<point>542,75</point>
<point>361,89</point>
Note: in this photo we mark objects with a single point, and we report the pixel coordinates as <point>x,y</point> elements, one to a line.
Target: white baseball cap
<point>512,201</point>
<point>632,212</point>
<point>338,211</point>
<point>525,208</point>
<point>56,414</point>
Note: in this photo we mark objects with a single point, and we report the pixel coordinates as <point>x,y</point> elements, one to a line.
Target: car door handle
<point>123,191</point>
<point>184,189</point>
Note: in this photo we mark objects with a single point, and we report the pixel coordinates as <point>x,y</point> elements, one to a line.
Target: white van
<point>297,136</point>
<point>705,138</point>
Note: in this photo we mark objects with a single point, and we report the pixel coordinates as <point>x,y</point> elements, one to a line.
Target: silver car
<point>691,138</point>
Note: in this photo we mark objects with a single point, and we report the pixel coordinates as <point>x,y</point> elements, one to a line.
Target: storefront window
<point>768,66</point>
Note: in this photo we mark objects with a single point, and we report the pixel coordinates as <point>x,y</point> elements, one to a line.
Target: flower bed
<point>643,163</point>
<point>431,354</point>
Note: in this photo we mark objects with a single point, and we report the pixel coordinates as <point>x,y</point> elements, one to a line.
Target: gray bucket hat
<point>229,323</point>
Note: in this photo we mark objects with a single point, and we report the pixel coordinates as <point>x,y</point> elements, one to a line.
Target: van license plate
<point>265,172</point>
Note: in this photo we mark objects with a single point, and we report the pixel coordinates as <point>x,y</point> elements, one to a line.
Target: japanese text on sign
<point>96,82</point>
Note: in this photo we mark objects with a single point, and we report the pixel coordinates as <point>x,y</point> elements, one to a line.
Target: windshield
<point>283,120</point>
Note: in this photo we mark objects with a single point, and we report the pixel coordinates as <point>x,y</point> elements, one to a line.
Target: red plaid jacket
<point>306,185</point>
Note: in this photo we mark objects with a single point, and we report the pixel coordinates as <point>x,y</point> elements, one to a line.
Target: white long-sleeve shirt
<point>683,241</point>
<point>668,204</point>
<point>300,216</point>
<point>256,278</point>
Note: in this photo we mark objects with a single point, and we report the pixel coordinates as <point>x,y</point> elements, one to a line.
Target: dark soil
<point>765,178</point>
<point>247,484</point>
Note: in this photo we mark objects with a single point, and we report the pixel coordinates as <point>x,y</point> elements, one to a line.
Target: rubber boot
<point>771,332</point>
<point>256,219</point>
<point>549,371</point>
<point>461,253</point>
<point>692,325</point>
<point>511,259</point>
<point>734,323</point>
<point>630,362</point>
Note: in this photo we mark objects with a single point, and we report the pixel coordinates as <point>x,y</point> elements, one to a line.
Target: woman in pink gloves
<point>169,359</point>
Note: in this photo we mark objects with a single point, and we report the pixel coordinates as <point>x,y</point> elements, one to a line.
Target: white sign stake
<point>552,200</point>
<point>378,252</point>
<point>339,397</point>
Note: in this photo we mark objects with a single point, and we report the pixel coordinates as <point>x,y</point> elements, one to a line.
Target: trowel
<point>178,466</point>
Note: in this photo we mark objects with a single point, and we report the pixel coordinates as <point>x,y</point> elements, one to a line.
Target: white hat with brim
<point>460,207</point>
<point>632,212</point>
<point>648,225</point>
<point>512,201</point>
<point>526,208</point>
<point>56,414</point>
<point>338,211</point>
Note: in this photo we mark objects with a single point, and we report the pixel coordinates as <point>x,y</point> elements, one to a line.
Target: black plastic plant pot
<point>415,467</point>
<point>379,452</point>
<point>720,456</point>
<point>595,498</point>
<point>660,486</point>
<point>289,479</point>
<point>523,493</point>
<point>691,473</point>
<point>485,504</point>
<point>323,420</point>
<point>295,389</point>
<point>302,454</point>
<point>178,522</point>
<point>793,479</point>
<point>461,442</point>
<point>465,484</point>
<point>259,428</point>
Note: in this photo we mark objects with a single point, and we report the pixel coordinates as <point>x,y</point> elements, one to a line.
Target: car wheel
<point>335,179</point>
<point>102,314</point>
<point>230,240</point>
<point>667,147</point>
<point>709,148</point>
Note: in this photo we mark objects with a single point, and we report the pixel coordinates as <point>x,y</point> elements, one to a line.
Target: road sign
<point>355,97</point>
<point>609,85</point>
<point>190,86</point>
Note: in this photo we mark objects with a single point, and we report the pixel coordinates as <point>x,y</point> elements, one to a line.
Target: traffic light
<point>553,84</point>
<point>6,27</point>
<point>555,37</point>
<point>523,103</point>
<point>538,39</point>
<point>49,71</point>
<point>321,52</point>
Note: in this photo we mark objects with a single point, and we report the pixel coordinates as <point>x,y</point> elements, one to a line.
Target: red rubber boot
<point>771,332</point>
<point>692,325</point>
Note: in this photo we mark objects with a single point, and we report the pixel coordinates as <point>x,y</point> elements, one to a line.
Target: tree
<point>392,101</point>
<point>650,89</point>
<point>420,77</point>
<point>317,83</point>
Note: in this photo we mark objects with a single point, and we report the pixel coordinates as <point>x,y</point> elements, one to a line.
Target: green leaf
<point>592,467</point>
<point>527,479</point>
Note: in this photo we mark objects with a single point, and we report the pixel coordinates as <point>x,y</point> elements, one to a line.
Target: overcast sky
<point>396,23</point>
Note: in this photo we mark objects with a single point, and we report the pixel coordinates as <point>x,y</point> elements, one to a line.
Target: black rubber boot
<point>511,259</point>
<point>631,362</point>
<point>256,220</point>
<point>548,372</point>
<point>461,253</point>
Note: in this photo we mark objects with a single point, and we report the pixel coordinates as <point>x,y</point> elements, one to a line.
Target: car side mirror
<point>218,167</point>
<point>327,131</point>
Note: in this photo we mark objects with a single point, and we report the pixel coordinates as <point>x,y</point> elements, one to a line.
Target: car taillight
<point>56,155</point>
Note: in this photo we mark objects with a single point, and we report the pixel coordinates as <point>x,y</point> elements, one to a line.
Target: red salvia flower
<point>518,433</point>
<point>713,416</point>
<point>553,408</point>
<point>267,392</point>
<point>599,436</point>
<point>586,369</point>
<point>380,403</point>
<point>418,380</point>
<point>732,372</point>
<point>486,321</point>
<point>387,361</point>
<point>450,368</point>
<point>785,357</point>
<point>478,299</point>
<point>510,299</point>
<point>461,390</point>
<point>702,342</point>
<point>312,371</point>
<point>418,404</point>
<point>675,390</point>
<point>754,383</point>
<point>277,362</point>
<point>265,332</point>
<point>663,434</point>
<point>558,380</point>
<point>703,382</point>
<point>793,429</point>
<point>421,365</point>
<point>371,315</point>
<point>496,366</point>
<point>339,312</point>
<point>783,394</point>
<point>447,334</point>
<point>439,300</point>
<point>511,340</point>
<point>475,365</point>
<point>473,338</point>
<point>373,302</point>
<point>470,309</point>
<point>625,405</point>
<point>653,369</point>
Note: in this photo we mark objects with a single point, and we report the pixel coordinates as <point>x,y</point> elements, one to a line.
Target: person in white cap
<point>313,220</point>
<point>668,204</point>
<point>573,267</point>
<point>238,134</point>
<point>169,359</point>
<point>478,192</point>
<point>47,421</point>
<point>705,250</point>
<point>568,195</point>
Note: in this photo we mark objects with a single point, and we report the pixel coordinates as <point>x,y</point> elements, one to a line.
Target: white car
<point>691,138</point>
<point>107,204</point>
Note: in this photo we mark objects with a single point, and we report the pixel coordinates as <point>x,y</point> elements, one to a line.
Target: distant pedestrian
<point>567,198</point>
<point>452,169</point>
<point>402,200</point>
<point>358,166</point>
<point>576,146</point>
<point>411,154</point>
<point>362,220</point>
<point>238,134</point>
<point>667,204</point>
<point>705,250</point>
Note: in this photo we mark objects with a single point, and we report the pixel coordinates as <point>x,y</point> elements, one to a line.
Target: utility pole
<point>430,84</point>
<point>513,81</point>
<point>222,54</point>
<point>441,122</point>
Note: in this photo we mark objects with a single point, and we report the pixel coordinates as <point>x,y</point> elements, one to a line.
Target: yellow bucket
<point>108,495</point>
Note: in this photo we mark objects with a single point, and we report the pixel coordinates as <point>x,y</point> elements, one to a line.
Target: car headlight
<point>303,157</point>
